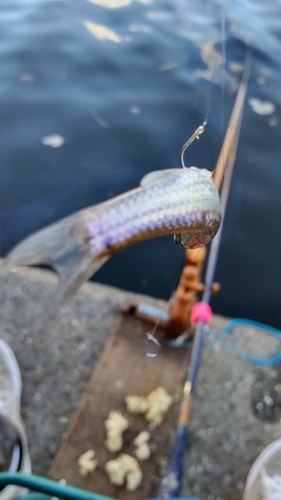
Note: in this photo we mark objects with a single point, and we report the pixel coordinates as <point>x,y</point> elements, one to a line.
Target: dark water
<point>124,93</point>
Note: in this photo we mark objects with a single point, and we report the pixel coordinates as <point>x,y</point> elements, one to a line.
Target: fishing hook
<point>150,336</point>
<point>194,136</point>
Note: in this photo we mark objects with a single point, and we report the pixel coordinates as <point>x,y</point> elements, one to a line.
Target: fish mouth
<point>200,235</point>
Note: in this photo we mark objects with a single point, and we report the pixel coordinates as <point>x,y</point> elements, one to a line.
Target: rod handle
<point>171,484</point>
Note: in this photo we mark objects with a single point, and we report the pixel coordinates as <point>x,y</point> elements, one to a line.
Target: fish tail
<point>60,247</point>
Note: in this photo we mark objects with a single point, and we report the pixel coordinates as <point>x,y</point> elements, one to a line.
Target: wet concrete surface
<point>237,407</point>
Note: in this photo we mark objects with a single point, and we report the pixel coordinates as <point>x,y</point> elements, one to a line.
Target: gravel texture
<point>236,415</point>
<point>56,347</point>
<point>237,407</point>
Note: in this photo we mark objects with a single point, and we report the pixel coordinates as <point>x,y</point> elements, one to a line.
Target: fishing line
<point>209,88</point>
<point>196,135</point>
<point>151,336</point>
<point>223,51</point>
<point>217,57</point>
<point>201,128</point>
<point>171,483</point>
<point>196,255</point>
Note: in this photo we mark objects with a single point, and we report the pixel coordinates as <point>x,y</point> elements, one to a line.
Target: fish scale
<point>183,202</point>
<point>164,210</point>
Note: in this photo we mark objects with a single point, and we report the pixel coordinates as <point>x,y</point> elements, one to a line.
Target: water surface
<point>123,84</point>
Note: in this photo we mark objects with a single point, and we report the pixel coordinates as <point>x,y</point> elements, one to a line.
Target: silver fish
<point>182,201</point>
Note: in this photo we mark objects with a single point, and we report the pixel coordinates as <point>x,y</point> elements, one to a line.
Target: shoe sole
<point>11,492</point>
<point>271,451</point>
<point>13,366</point>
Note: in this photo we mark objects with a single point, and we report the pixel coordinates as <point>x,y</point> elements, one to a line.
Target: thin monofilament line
<point>223,53</point>
<point>214,250</point>
<point>227,181</point>
<point>171,484</point>
<point>195,135</point>
<point>210,89</point>
<point>217,58</point>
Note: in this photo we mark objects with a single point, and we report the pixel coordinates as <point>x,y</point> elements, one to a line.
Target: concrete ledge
<point>57,348</point>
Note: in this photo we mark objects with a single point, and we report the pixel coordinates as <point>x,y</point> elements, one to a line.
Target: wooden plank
<point>123,369</point>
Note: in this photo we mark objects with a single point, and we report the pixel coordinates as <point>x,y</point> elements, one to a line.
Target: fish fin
<point>62,247</point>
<point>157,176</point>
<point>73,273</point>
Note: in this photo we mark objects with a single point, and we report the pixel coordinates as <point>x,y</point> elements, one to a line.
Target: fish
<point>180,201</point>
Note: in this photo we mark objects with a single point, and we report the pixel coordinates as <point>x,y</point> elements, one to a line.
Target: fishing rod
<point>201,313</point>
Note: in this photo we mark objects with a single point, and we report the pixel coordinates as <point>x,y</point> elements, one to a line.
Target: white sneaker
<point>10,395</point>
<point>264,479</point>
